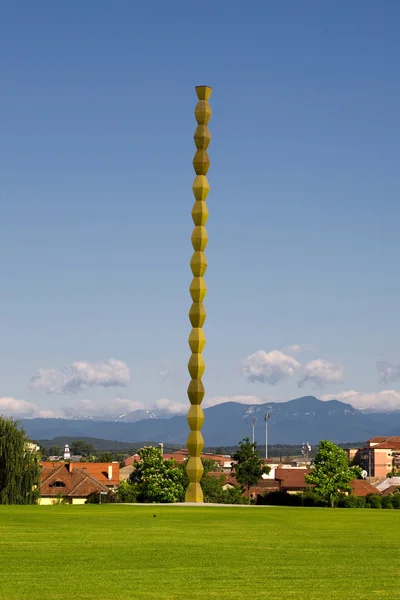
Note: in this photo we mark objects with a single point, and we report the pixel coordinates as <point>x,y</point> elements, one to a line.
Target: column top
<point>203,92</point>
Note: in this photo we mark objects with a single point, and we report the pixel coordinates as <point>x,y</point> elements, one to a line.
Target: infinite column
<point>198,289</point>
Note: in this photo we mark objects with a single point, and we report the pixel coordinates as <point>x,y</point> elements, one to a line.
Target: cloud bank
<point>321,372</point>
<point>82,375</point>
<point>11,407</point>
<point>269,367</point>
<point>384,400</point>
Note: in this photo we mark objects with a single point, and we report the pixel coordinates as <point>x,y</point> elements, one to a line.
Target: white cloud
<point>46,414</point>
<point>269,367</point>
<point>296,348</point>
<point>10,407</point>
<point>240,399</point>
<point>114,407</point>
<point>387,371</point>
<point>171,407</point>
<point>80,376</point>
<point>384,400</point>
<point>320,372</point>
<point>120,406</point>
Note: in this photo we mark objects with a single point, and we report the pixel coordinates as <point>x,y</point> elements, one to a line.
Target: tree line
<point>154,479</point>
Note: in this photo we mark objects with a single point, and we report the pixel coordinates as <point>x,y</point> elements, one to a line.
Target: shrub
<point>387,501</point>
<point>396,500</point>
<point>127,492</point>
<point>279,499</point>
<point>351,501</point>
<point>373,501</point>
<point>233,496</point>
<point>310,498</point>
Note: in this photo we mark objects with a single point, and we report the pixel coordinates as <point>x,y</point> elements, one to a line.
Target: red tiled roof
<point>291,478</point>
<point>379,439</point>
<point>131,459</point>
<point>360,487</point>
<point>97,470</point>
<point>264,485</point>
<point>388,446</point>
<point>390,490</point>
<point>76,483</point>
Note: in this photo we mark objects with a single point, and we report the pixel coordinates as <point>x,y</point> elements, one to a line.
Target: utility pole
<point>267,417</point>
<point>253,424</point>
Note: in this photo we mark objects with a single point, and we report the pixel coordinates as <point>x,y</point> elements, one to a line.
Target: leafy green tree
<point>55,451</point>
<point>248,467</point>
<point>331,473</point>
<point>105,457</point>
<point>79,447</point>
<point>127,492</point>
<point>19,466</point>
<point>233,495</point>
<point>156,479</point>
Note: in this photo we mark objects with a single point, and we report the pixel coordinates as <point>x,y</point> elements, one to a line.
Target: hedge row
<point>311,499</point>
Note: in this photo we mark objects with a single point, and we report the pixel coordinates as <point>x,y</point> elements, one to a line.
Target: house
<point>379,456</point>
<point>382,486</point>
<point>262,487</point>
<point>132,459</point>
<point>392,489</point>
<point>71,485</point>
<point>105,473</point>
<point>32,447</point>
<point>224,461</point>
<point>360,487</point>
<point>125,472</point>
<point>292,480</point>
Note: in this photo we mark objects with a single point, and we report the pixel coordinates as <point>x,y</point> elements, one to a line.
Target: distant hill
<point>292,422</point>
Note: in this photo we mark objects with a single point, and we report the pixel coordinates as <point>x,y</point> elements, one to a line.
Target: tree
<point>331,474</point>
<point>55,451</point>
<point>248,468</point>
<point>213,487</point>
<point>79,447</point>
<point>19,466</point>
<point>156,479</point>
<point>105,457</point>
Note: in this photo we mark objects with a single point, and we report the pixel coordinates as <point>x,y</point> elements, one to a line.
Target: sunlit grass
<point>197,553</point>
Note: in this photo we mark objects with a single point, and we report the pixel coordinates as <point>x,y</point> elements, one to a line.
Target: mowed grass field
<point>197,553</point>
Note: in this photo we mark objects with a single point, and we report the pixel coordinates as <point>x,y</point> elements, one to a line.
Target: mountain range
<point>292,422</point>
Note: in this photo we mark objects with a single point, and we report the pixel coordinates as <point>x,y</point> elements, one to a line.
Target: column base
<point>194,493</point>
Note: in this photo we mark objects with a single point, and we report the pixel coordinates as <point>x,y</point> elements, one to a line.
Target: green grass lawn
<point>197,553</point>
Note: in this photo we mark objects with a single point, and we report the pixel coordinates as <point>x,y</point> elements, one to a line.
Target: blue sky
<point>96,147</point>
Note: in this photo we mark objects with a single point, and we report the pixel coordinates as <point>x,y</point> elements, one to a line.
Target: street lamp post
<point>267,417</point>
<point>253,424</point>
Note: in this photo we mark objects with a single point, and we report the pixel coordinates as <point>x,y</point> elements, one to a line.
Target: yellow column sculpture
<point>198,289</point>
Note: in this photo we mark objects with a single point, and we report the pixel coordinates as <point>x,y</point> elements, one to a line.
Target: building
<point>125,472</point>
<point>223,461</point>
<point>379,456</point>
<point>105,473</point>
<point>32,447</point>
<point>132,459</point>
<point>262,487</point>
<point>292,480</point>
<point>389,483</point>
<point>69,484</point>
<point>360,487</point>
